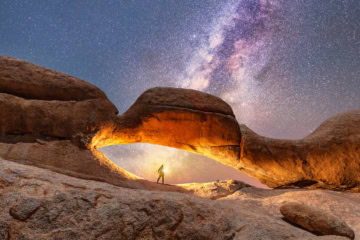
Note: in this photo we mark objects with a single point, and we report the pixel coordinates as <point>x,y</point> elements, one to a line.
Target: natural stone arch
<point>38,127</point>
<point>181,118</point>
<point>204,124</point>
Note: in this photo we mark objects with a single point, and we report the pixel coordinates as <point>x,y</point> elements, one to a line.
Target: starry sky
<point>284,66</point>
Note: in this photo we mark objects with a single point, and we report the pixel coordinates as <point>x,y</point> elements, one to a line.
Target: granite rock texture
<point>40,204</point>
<point>316,220</point>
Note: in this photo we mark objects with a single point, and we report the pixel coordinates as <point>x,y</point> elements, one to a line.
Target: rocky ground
<point>40,204</point>
<point>56,184</point>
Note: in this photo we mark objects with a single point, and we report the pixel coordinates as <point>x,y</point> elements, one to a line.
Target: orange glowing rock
<point>207,127</point>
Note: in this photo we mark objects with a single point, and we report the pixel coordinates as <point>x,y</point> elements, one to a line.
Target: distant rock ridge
<point>56,121</point>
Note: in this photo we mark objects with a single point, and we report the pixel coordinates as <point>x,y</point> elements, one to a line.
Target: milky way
<point>247,58</point>
<point>283,66</point>
<point>229,63</point>
<point>237,42</point>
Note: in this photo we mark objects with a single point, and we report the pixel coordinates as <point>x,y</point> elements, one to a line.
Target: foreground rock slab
<point>316,220</point>
<point>40,204</point>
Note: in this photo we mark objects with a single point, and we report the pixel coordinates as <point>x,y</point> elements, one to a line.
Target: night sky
<point>284,66</point>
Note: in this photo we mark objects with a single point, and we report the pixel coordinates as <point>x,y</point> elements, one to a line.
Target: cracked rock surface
<point>40,204</point>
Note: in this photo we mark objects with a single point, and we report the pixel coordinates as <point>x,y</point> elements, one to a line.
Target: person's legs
<point>158,179</point>
<point>162,179</point>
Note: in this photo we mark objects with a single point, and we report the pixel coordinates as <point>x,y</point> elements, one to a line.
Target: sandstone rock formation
<point>316,220</point>
<point>179,118</point>
<point>328,158</point>
<point>38,127</point>
<point>40,204</point>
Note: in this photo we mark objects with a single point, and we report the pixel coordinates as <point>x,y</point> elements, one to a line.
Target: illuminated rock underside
<point>55,121</point>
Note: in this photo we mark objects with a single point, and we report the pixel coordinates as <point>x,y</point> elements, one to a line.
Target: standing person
<point>161,174</point>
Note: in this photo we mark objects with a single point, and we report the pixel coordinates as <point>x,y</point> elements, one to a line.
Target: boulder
<point>38,125</point>
<point>316,220</point>
<point>37,102</point>
<point>31,81</point>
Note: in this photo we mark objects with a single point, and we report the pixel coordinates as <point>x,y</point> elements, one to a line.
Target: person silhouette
<point>161,174</point>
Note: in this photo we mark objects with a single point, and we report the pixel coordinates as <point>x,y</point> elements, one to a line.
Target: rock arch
<point>38,127</point>
<point>180,118</point>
